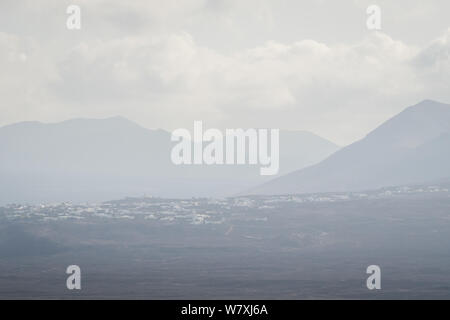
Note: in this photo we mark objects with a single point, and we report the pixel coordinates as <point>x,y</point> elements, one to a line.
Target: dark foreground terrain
<point>285,247</point>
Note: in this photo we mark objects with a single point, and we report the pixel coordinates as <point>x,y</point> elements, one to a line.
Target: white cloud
<point>162,76</point>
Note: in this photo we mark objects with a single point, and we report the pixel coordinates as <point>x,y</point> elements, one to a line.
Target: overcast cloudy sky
<point>309,65</point>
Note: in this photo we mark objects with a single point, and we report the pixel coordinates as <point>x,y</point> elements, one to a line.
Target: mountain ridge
<point>78,159</point>
<point>372,161</point>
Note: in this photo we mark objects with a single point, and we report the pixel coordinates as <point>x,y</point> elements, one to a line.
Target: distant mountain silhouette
<point>412,147</point>
<point>93,160</point>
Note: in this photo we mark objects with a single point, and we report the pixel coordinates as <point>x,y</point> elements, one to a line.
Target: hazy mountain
<point>91,160</point>
<point>412,147</point>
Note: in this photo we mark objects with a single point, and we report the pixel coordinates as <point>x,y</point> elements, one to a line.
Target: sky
<point>288,64</point>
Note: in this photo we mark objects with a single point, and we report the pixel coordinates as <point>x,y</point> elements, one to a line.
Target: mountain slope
<point>92,160</point>
<point>411,147</point>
